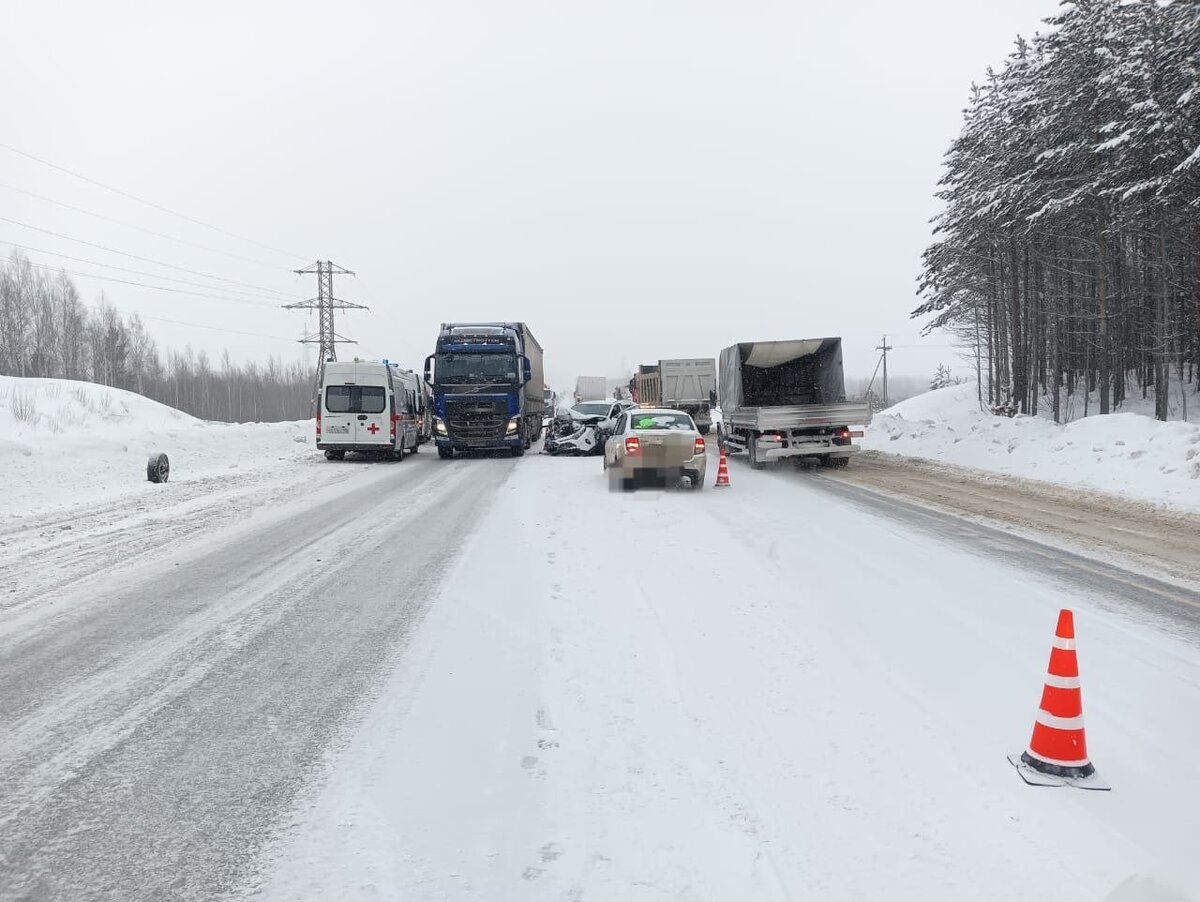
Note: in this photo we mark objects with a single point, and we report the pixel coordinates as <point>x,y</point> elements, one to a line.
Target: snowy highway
<point>494,679</point>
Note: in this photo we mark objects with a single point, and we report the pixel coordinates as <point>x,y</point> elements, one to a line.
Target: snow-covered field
<point>66,443</point>
<point>1124,453</point>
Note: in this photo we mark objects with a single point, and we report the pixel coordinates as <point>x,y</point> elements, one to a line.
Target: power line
<point>148,203</point>
<point>163,319</point>
<point>137,228</point>
<point>192,272</point>
<point>88,275</point>
<point>137,272</point>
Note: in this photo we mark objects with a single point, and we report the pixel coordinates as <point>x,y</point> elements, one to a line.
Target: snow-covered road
<point>516,685</point>
<point>159,718</point>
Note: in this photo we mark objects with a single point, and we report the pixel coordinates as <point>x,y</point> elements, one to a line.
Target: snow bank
<point>1124,453</point>
<point>64,442</point>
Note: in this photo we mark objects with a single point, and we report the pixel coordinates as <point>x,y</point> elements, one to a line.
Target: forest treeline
<point>47,331</point>
<point>1067,252</point>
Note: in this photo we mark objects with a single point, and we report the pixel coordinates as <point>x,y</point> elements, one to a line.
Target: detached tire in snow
<point>158,468</point>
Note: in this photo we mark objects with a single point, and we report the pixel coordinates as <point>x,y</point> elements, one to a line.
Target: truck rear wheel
<point>752,449</point>
<point>704,430</point>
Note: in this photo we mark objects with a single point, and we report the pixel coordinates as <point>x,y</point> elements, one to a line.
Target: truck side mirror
<point>526,369</point>
<point>429,370</point>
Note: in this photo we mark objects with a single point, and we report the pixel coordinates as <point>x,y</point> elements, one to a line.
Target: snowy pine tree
<point>1067,252</point>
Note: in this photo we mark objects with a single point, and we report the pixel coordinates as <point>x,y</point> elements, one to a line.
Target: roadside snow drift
<point>1124,453</point>
<point>64,442</point>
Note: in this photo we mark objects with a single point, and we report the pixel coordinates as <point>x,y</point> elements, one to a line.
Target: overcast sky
<point>634,179</point>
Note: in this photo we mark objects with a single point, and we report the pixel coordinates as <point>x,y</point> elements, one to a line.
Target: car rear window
<point>592,409</point>
<point>653,420</point>
<point>355,399</point>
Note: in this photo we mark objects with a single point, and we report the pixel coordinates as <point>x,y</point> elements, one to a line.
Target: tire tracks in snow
<point>45,556</point>
<point>127,683</point>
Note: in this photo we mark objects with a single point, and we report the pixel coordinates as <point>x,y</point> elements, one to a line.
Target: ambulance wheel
<point>445,453</point>
<point>335,455</point>
<point>158,468</point>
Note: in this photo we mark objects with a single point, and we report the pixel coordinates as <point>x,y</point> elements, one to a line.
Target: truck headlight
<point>440,427</point>
<point>513,425</point>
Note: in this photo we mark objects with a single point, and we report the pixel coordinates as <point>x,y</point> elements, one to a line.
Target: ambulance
<point>372,408</point>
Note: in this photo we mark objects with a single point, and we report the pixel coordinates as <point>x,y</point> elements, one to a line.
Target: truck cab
<point>487,387</point>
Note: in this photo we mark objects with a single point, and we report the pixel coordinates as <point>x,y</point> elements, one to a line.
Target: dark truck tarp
<point>782,373</point>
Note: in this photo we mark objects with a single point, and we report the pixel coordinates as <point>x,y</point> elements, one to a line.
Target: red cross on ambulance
<point>373,428</point>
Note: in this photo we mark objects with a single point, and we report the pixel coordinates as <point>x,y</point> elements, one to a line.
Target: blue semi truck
<point>488,388</point>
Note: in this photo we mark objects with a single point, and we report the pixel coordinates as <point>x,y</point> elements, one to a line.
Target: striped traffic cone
<point>722,471</point>
<point>1057,753</point>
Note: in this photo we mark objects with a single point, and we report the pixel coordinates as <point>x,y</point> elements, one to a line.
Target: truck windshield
<point>355,399</point>
<point>467,369</point>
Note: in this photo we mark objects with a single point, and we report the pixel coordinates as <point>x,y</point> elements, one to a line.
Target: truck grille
<point>477,419</point>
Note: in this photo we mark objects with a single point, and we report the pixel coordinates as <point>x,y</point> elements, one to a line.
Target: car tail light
<point>318,423</point>
<point>843,432</point>
<point>633,446</point>
<point>395,417</point>
<point>699,449</point>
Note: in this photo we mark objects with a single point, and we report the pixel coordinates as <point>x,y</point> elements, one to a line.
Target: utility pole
<point>324,303</point>
<point>885,347</point>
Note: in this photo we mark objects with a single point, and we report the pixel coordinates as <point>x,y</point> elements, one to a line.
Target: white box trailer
<point>370,407</point>
<point>788,399</point>
<point>591,388</point>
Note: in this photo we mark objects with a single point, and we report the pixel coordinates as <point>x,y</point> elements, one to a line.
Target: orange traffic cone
<point>1057,753</point>
<point>722,471</point>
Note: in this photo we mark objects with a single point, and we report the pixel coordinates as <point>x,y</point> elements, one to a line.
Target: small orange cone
<point>1057,753</point>
<point>722,471</point>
